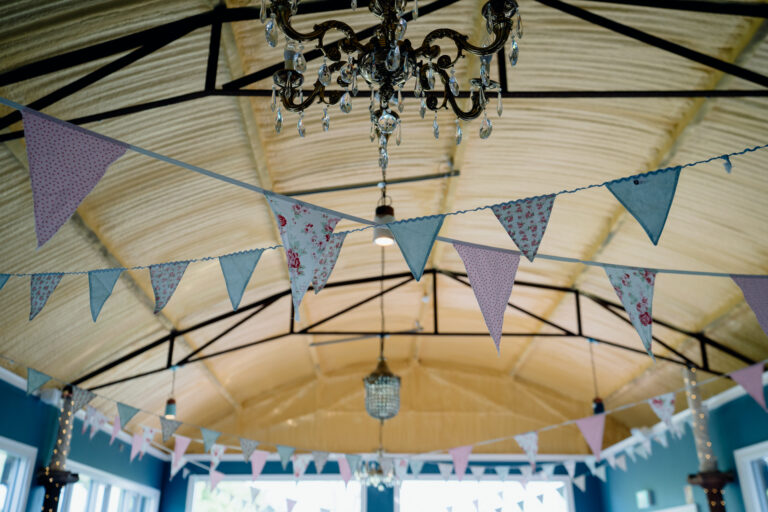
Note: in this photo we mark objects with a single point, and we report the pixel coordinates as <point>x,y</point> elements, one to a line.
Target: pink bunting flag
<point>217,452</point>
<point>460,457</point>
<point>755,290</point>
<point>592,428</point>
<point>215,478</point>
<point>115,429</point>
<point>65,163</point>
<point>751,379</point>
<point>136,445</point>
<point>344,469</point>
<point>180,447</point>
<point>41,287</point>
<point>176,465</point>
<point>634,288</point>
<point>492,274</point>
<point>525,221</point>
<point>165,278</point>
<point>258,459</point>
<point>289,504</point>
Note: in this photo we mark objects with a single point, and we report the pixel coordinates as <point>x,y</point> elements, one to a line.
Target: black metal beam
<point>658,42</point>
<point>751,9</point>
<point>213,54</point>
<point>435,322</point>
<point>372,184</point>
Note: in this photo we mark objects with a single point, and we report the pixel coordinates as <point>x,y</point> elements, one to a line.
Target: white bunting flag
<point>502,471</point>
<point>217,452</point>
<point>581,482</point>
<point>664,407</point>
<point>445,469</point>
<point>477,471</point>
<point>621,462</point>
<point>320,458</point>
<point>529,442</point>
<point>570,468</point>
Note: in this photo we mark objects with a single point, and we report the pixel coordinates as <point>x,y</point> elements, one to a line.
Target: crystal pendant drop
<point>279,120</point>
<point>416,9</point>
<point>435,128</point>
<point>263,11</point>
<point>393,59</point>
<point>346,73</point>
<point>346,103</point>
<point>323,74</point>
<point>383,141</point>
<point>373,132</point>
<point>423,107</point>
<point>354,83</point>
<point>499,104</point>
<point>398,134</point>
<point>372,105</point>
<point>453,84</point>
<point>400,104</point>
<point>300,125</point>
<point>514,53</point>
<point>273,105</point>
<point>402,25</point>
<point>326,119</point>
<point>519,27</point>
<point>459,132</point>
<point>430,76</point>
<point>299,62</point>
<point>383,158</point>
<point>486,127</point>
<point>354,5</point>
<point>270,31</point>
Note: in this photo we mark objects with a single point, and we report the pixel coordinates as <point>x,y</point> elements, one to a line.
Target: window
<point>310,493</point>
<point>492,494</point>
<point>752,466</point>
<point>17,461</point>
<point>98,491</point>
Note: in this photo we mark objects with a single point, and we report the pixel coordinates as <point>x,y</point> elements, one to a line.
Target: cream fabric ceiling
<point>287,392</point>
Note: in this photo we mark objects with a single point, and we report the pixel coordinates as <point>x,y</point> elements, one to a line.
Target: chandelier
<point>386,63</point>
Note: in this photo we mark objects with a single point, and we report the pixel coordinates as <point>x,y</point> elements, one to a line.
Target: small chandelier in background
<point>386,63</point>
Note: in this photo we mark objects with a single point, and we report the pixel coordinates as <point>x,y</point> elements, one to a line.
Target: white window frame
<point>192,479</point>
<point>511,478</point>
<point>744,457</point>
<point>28,454</point>
<point>116,481</point>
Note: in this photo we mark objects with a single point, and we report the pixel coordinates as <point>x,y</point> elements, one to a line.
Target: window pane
<point>79,494</point>
<point>420,495</point>
<point>114,500</point>
<point>11,472</point>
<point>310,496</point>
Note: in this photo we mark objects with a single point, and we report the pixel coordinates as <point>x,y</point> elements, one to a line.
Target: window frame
<point>28,454</point>
<point>569,497</point>
<point>744,457</point>
<point>194,478</point>
<point>112,481</point>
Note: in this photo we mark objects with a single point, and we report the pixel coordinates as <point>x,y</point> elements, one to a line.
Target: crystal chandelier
<point>386,63</point>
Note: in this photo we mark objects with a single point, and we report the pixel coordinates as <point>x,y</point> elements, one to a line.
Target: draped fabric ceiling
<point>456,391</point>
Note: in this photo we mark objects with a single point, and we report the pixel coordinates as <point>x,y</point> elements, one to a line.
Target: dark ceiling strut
<point>370,184</point>
<point>213,54</point>
<point>751,9</point>
<point>658,42</point>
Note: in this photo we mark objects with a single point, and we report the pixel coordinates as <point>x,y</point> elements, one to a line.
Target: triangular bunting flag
<point>209,438</point>
<point>570,468</point>
<point>247,446</point>
<point>97,423</point>
<point>258,459</point>
<point>592,428</point>
<point>477,471</point>
<point>237,269</point>
<point>401,468</point>
<point>90,415</point>
<point>621,462</point>
<point>35,380</point>
<point>648,198</point>
<point>460,458</point>
<point>611,458</point>
<point>416,466</point>
<point>320,459</point>
<point>561,491</point>
<point>387,464</point>
<point>548,470</point>
<point>755,290</point>
<point>642,451</point>
<point>136,443</point>
<point>581,482</point>
<point>41,287</point>
<point>344,470</point>
<point>354,461</point>
<point>525,221</point>
<point>476,503</point>
<point>591,464</point>
<point>527,472</point>
<point>65,163</point>
<point>600,473</point>
<point>254,493</point>
<point>215,478</point>
<point>664,407</point>
<point>80,398</point>
<point>4,279</point>
<point>630,451</point>
<point>751,379</point>
<point>445,469</point>
<point>217,452</point>
<point>529,442</point>
<point>300,464</point>
<point>185,473</point>
<point>661,438</point>
<point>180,447</point>
<point>540,497</point>
<point>327,261</point>
<point>521,505</point>
<point>502,471</point>
<point>115,429</point>
<point>148,437</point>
<point>415,239</point>
<point>285,453</point>
<point>491,273</point>
<point>289,504</point>
<point>176,465</point>
<point>305,232</point>
<point>126,413</point>
<point>634,288</point>
<point>168,427</point>
<point>165,278</point>
<point>101,283</point>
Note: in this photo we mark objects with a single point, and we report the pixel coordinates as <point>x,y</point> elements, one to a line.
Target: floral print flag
<point>41,287</point>
<point>327,262</point>
<point>634,287</point>
<point>165,278</point>
<point>664,407</point>
<point>305,233</point>
<point>525,221</point>
<point>65,163</point>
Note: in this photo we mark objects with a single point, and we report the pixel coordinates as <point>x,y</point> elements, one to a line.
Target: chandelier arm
<point>283,19</point>
<point>501,32</point>
<point>330,98</point>
<point>448,99</point>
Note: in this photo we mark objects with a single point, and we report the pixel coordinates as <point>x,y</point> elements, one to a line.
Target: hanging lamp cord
<point>381,307</point>
<point>594,373</point>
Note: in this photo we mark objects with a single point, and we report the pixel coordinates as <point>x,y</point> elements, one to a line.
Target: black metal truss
<point>251,311</point>
<point>146,42</point>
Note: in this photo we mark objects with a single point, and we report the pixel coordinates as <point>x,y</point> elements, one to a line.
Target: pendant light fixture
<point>382,235</point>
<point>170,404</point>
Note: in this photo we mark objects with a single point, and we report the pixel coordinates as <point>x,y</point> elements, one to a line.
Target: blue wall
<point>732,426</point>
<point>35,423</point>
